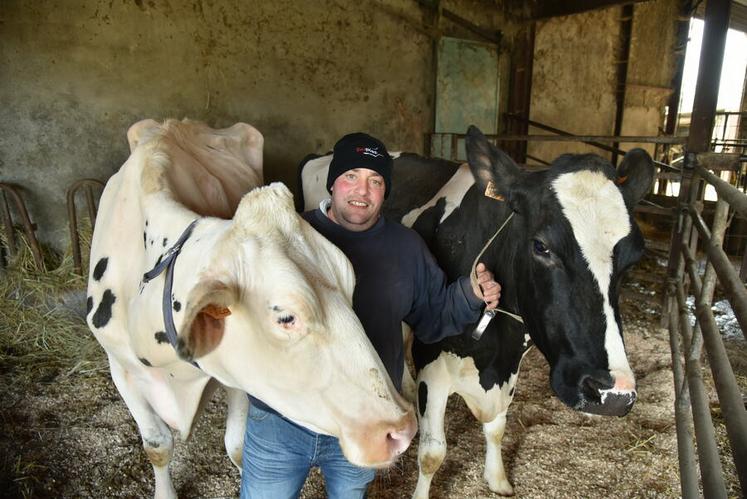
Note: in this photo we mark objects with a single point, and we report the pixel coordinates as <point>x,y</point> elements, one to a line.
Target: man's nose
<point>361,186</point>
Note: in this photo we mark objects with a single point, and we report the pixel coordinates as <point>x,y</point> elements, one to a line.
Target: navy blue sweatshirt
<point>398,280</point>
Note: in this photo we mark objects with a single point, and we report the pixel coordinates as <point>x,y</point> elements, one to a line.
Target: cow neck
<point>167,263</point>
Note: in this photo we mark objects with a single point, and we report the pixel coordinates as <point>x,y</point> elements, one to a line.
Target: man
<point>397,279</point>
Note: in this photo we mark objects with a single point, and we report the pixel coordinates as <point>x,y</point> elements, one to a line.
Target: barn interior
<point>540,77</point>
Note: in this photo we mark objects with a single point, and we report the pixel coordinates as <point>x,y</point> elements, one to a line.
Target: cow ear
<point>141,131</point>
<point>494,172</point>
<point>635,175</point>
<point>205,319</point>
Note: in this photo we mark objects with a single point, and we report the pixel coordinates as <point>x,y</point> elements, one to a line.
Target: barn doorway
<point>729,134</point>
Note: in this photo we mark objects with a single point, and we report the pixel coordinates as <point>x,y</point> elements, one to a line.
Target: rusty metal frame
<point>28,227</point>
<point>72,215</point>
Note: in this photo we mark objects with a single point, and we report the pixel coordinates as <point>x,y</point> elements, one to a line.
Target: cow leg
<point>157,440</point>
<point>494,473</point>
<point>238,407</point>
<point>408,384</point>
<point>433,392</point>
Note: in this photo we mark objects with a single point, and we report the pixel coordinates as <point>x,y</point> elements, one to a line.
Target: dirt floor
<point>70,435</point>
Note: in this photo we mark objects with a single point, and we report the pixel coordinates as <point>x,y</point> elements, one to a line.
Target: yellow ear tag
<point>492,192</point>
<point>621,180</point>
<point>215,311</point>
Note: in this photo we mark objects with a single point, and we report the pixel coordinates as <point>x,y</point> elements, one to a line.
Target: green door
<point>467,86</point>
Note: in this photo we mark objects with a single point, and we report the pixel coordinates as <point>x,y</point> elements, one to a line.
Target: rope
<point>473,278</point>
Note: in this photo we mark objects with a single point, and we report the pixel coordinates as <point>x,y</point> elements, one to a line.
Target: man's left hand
<point>487,289</point>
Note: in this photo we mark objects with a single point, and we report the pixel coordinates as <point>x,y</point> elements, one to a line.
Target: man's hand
<point>487,289</point>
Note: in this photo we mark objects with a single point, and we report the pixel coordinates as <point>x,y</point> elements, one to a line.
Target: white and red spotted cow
<point>560,260</point>
<point>260,302</point>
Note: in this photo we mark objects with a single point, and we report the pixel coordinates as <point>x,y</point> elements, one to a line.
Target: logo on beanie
<point>369,151</point>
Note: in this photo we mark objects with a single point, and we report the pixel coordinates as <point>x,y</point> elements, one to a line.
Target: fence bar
<point>708,457</point>
<point>729,394</point>
<point>726,191</point>
<point>685,447</point>
<point>727,275</point>
<point>72,216</point>
<point>10,236</point>
<point>645,139</point>
<point>28,226</point>
<point>705,297</point>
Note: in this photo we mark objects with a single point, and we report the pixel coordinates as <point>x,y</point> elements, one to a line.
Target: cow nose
<point>398,439</point>
<point>606,396</point>
<point>592,387</point>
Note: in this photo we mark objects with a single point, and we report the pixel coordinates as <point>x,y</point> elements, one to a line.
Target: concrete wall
<point>575,75</point>
<point>77,73</point>
<point>650,72</point>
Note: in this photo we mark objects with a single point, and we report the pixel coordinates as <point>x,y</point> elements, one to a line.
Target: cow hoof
<point>500,487</point>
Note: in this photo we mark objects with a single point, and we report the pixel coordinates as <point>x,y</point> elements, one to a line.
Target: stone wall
<point>77,73</point>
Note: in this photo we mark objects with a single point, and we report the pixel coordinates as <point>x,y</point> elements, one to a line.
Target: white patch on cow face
<point>454,191</point>
<point>599,219</point>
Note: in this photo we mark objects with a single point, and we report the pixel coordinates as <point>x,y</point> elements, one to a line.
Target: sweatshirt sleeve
<point>440,309</point>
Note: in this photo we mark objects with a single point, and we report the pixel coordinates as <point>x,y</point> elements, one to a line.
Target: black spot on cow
<point>165,241</point>
<point>151,242</point>
<point>161,337</point>
<point>422,397</point>
<point>98,271</point>
<point>145,361</point>
<point>89,305</point>
<point>145,240</point>
<point>146,223</point>
<point>511,393</point>
<point>152,443</point>
<point>177,305</point>
<point>104,311</point>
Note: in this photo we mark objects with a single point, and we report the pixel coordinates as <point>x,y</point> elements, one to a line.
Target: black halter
<point>168,263</point>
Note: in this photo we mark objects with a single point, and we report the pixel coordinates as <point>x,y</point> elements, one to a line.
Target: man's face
<point>357,196</point>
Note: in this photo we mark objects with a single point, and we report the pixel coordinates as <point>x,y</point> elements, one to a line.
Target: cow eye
<point>540,248</point>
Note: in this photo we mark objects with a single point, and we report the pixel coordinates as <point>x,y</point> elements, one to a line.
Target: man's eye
<point>350,176</point>
<point>377,183</point>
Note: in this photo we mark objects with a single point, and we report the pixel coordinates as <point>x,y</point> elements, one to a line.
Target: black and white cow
<point>560,260</point>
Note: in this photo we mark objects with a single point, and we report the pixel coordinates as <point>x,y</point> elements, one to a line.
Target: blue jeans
<point>279,454</point>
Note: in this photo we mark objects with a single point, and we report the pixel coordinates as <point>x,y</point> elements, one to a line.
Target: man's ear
<point>205,319</point>
<point>494,172</point>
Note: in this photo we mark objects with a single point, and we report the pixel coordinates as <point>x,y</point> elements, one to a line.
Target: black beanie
<point>360,150</point>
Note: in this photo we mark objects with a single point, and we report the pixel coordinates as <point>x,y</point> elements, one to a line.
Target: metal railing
<point>13,192</point>
<point>687,340</point>
<point>89,184</point>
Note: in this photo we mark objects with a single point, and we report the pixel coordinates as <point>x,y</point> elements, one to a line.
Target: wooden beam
<point>544,9</point>
<point>489,35</point>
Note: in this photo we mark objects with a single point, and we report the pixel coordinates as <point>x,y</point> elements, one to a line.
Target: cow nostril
<point>399,440</point>
<point>591,388</point>
<point>395,436</point>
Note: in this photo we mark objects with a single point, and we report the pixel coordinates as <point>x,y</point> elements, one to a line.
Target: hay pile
<point>43,333</point>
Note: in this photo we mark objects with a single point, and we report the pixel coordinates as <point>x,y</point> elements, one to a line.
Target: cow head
<point>272,316</point>
<point>573,237</point>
